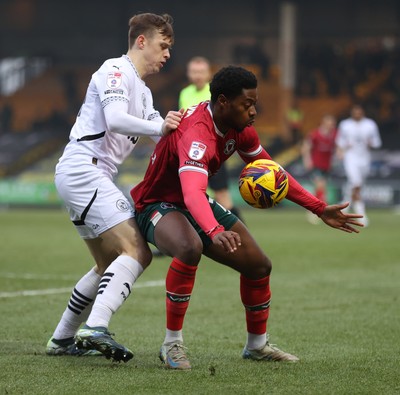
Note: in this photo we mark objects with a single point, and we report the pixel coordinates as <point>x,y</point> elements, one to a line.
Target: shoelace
<point>177,352</point>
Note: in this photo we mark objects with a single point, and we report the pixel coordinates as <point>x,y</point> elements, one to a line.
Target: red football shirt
<point>182,162</point>
<point>322,148</point>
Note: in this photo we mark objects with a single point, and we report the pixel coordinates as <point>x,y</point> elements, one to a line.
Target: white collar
<point>127,58</point>
<point>217,131</point>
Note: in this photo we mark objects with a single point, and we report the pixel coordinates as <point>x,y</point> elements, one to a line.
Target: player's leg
<point>79,190</point>
<point>112,235</point>
<point>122,254</point>
<point>78,309</point>
<point>255,269</point>
<point>356,174</point>
<point>320,186</point>
<point>170,231</point>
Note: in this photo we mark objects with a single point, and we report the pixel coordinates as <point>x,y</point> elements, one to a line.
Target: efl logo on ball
<point>263,183</point>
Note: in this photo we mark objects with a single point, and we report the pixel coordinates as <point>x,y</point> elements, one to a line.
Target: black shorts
<point>148,218</point>
<point>219,180</point>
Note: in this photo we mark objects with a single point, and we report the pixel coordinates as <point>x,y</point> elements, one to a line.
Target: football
<point>263,183</point>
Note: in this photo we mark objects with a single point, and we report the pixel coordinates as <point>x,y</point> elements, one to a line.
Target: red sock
<point>179,284</point>
<point>256,297</point>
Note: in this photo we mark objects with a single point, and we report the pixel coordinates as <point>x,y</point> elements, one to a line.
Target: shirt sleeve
<point>341,137</point>
<point>375,141</point>
<point>194,156</point>
<point>113,87</point>
<point>119,121</point>
<point>194,186</point>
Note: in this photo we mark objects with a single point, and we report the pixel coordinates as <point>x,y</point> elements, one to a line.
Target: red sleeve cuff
<point>214,231</point>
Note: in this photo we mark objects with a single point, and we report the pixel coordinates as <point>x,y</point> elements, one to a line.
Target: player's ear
<point>140,41</point>
<point>222,100</point>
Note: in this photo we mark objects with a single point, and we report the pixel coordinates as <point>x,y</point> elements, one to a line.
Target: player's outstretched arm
<point>334,217</point>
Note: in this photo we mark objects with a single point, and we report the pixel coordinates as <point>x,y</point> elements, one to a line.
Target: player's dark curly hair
<point>230,81</point>
<point>148,23</point>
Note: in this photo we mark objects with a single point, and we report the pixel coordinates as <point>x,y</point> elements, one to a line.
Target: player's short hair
<point>147,24</point>
<point>230,81</point>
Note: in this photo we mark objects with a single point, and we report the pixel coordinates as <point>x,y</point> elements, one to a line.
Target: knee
<point>145,258</point>
<point>140,253</point>
<point>189,251</point>
<point>261,268</point>
<point>265,267</point>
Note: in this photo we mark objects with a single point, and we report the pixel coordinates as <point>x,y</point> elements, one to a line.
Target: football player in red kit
<point>318,151</point>
<point>176,215</point>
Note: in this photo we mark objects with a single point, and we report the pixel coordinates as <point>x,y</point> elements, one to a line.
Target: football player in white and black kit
<point>356,137</point>
<point>117,111</point>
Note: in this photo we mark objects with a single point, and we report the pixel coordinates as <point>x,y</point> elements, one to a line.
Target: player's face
<point>198,74</point>
<point>357,113</point>
<point>156,52</point>
<point>241,112</point>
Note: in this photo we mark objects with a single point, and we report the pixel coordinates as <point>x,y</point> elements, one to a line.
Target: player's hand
<point>334,217</point>
<point>172,121</point>
<point>229,240</point>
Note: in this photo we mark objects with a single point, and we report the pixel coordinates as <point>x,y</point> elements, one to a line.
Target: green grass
<point>335,305</point>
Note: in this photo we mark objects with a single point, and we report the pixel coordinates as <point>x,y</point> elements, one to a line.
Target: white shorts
<point>356,171</point>
<point>93,201</point>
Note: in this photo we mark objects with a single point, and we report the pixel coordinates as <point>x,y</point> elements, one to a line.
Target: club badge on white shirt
<point>114,80</point>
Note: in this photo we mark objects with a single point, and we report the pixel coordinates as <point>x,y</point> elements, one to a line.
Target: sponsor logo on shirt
<point>114,80</point>
<point>114,91</point>
<point>197,150</point>
<point>193,163</point>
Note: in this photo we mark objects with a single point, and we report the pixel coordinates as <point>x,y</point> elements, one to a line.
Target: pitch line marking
<point>53,291</point>
<point>35,276</point>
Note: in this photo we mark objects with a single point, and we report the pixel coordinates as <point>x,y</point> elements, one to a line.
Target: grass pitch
<point>335,304</point>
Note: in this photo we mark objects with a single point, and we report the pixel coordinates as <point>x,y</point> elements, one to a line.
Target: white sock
<point>79,305</point>
<point>347,198</point>
<point>115,287</point>
<point>359,207</point>
<point>173,336</point>
<point>256,342</point>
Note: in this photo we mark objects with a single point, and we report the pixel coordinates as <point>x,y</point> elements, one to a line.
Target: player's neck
<point>137,64</point>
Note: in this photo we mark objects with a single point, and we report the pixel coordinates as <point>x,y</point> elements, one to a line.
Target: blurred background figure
<point>198,90</point>
<point>198,73</point>
<point>294,121</point>
<point>357,135</point>
<point>318,150</point>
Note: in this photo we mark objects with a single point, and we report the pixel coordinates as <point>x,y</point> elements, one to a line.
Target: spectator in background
<point>357,135</point>
<point>294,121</point>
<point>318,150</point>
<point>199,74</point>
